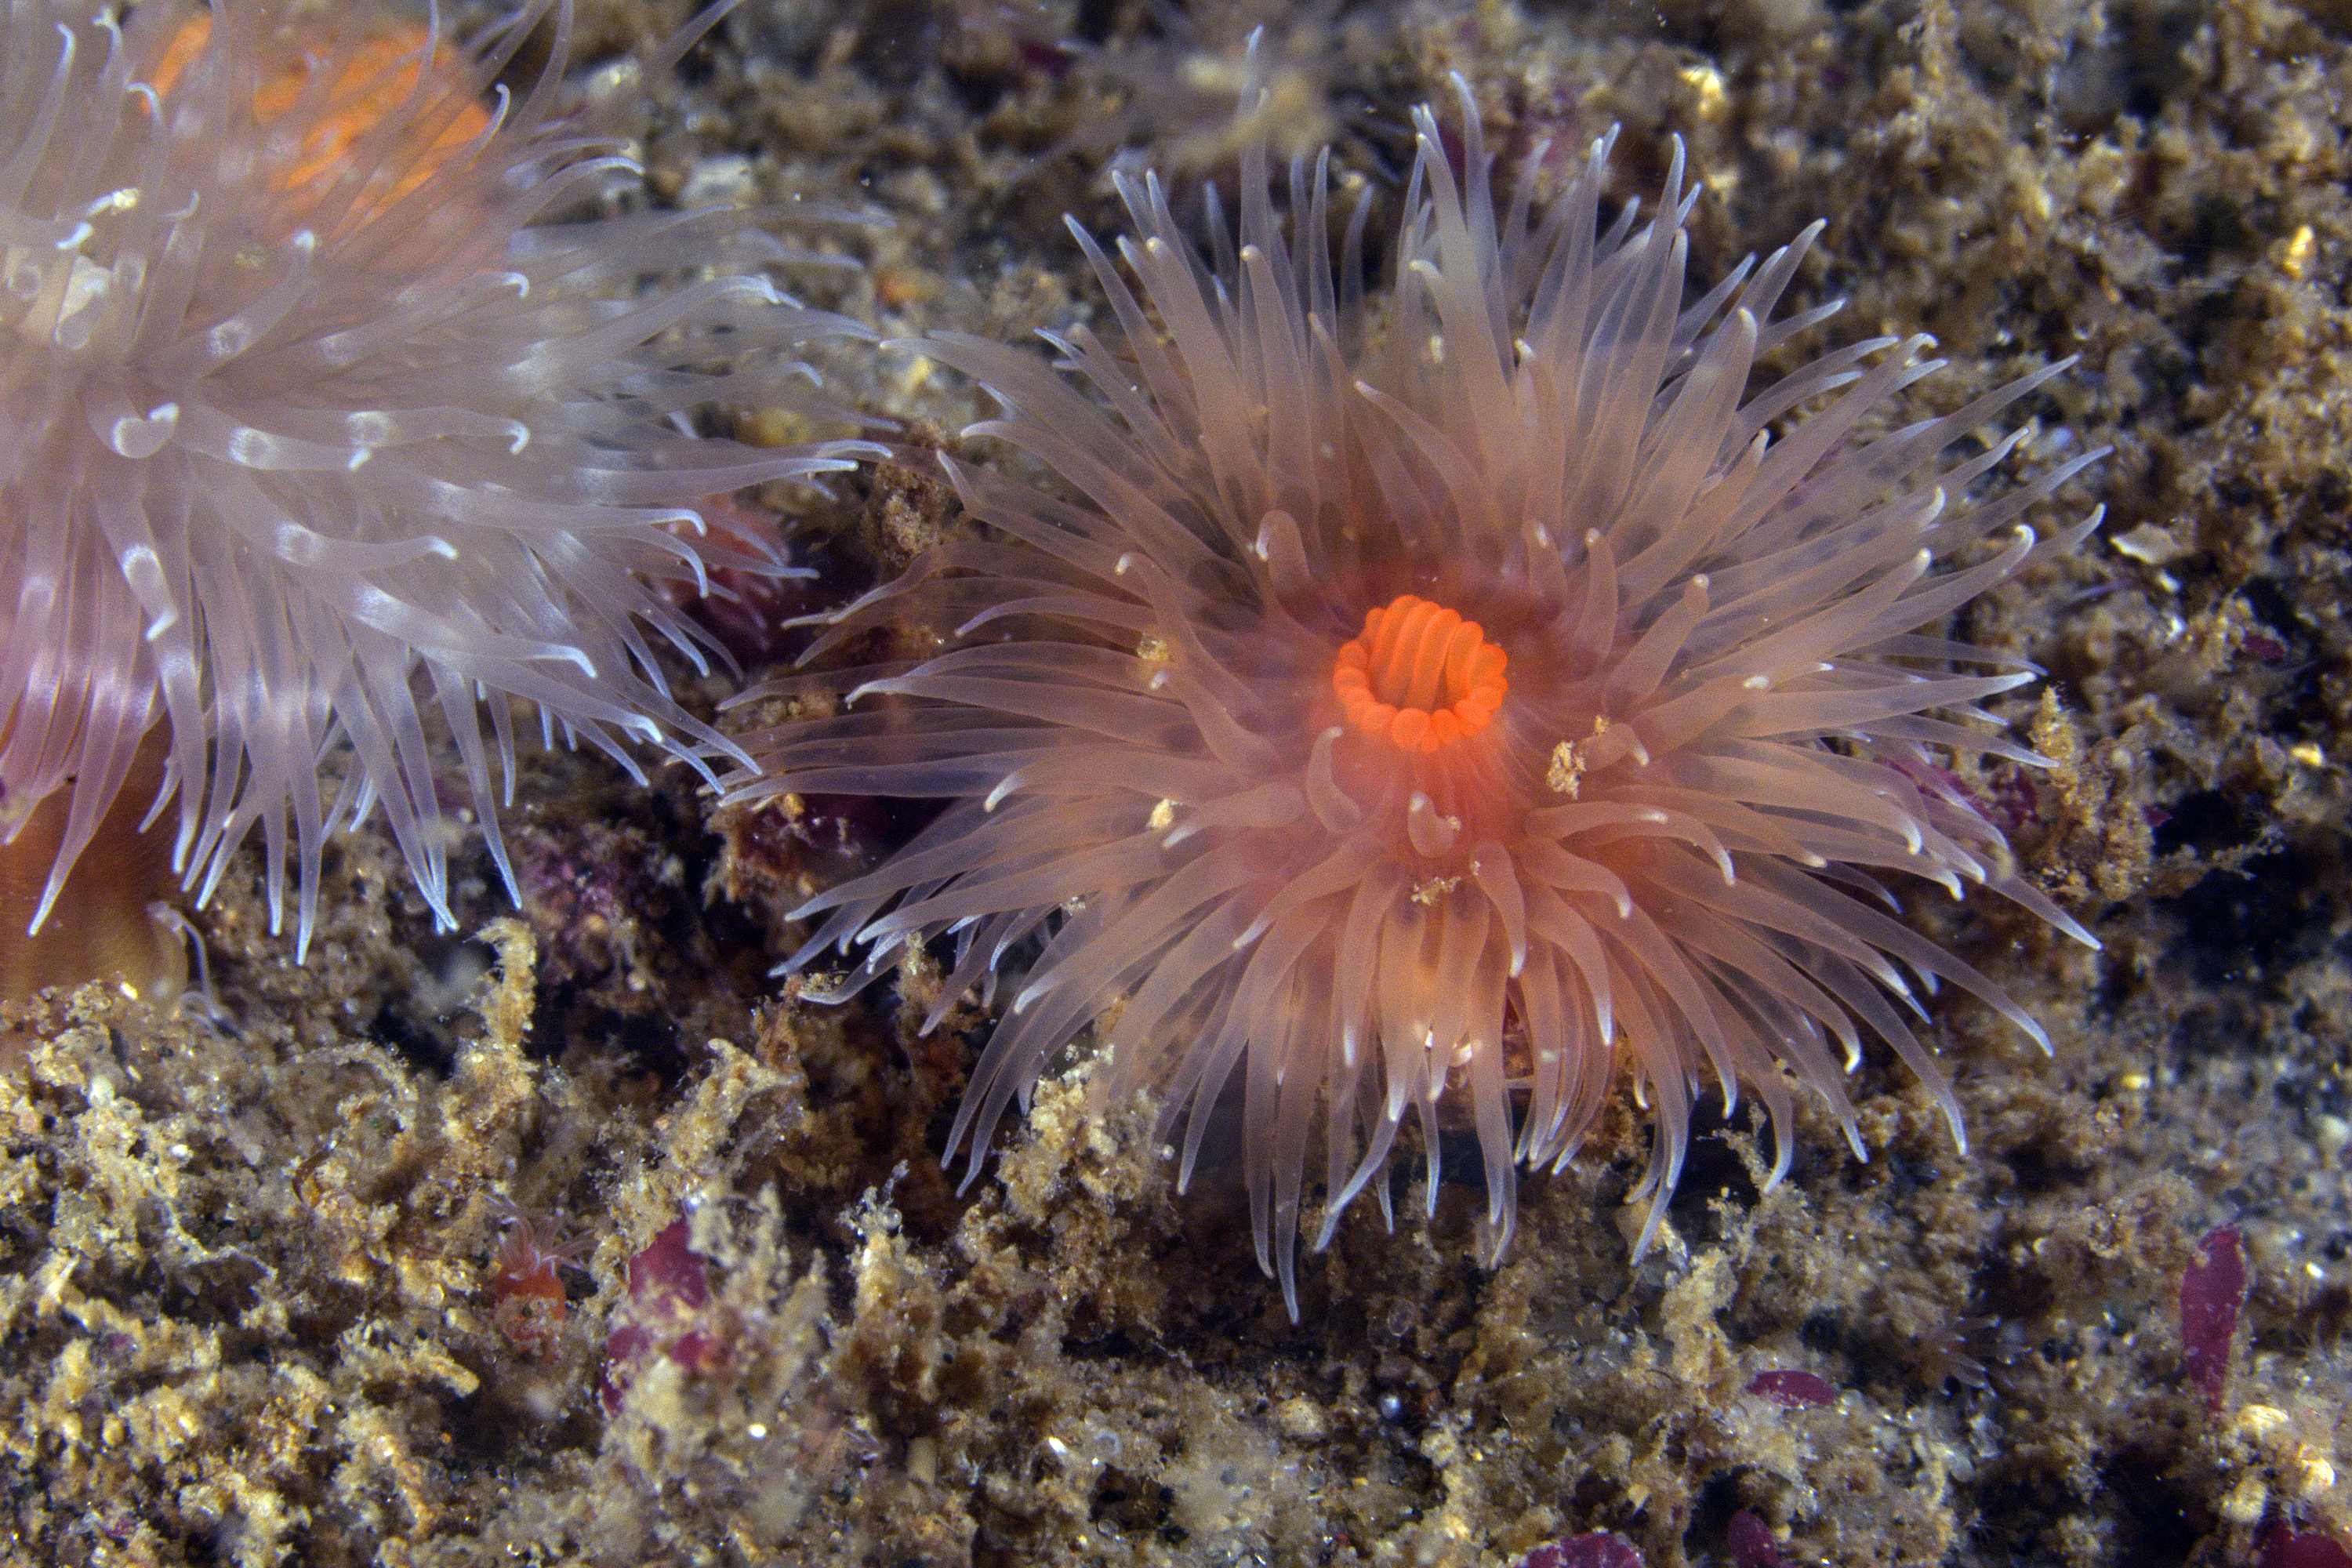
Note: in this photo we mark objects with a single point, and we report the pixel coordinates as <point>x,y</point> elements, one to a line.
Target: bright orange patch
<point>376,81</point>
<point>1420,676</point>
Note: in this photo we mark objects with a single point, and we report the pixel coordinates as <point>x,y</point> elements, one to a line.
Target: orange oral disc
<point>1420,676</point>
<point>378,79</point>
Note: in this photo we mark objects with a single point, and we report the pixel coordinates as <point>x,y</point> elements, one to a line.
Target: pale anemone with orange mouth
<point>1405,712</point>
<point>333,408</point>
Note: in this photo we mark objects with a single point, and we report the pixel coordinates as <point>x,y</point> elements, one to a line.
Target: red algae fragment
<point>2014,800</point>
<point>2212,1293</point>
<point>2285,1547</point>
<point>669,1285</point>
<point>2269,649</point>
<point>1751,1542</point>
<point>1599,1550</point>
<point>744,600</point>
<point>669,1269</point>
<point>1793,1389</point>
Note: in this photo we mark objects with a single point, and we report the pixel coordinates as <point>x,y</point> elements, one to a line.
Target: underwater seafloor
<point>251,1308</point>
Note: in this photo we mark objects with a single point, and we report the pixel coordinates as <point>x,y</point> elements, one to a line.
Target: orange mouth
<point>1420,676</point>
<point>375,80</point>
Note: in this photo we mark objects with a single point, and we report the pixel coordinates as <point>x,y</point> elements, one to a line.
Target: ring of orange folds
<point>1420,676</point>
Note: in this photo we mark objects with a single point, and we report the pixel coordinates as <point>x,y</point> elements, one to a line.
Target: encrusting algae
<point>249,1256</point>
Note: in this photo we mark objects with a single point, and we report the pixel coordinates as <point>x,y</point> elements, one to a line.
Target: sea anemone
<point>1426,706</point>
<point>119,925</point>
<point>1208,83</point>
<point>314,426</point>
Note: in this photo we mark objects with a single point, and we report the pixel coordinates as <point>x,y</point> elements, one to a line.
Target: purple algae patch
<point>1601,1548</point>
<point>1751,1542</point>
<point>669,1284</point>
<point>2285,1547</point>
<point>2212,1293</point>
<point>1794,1390</point>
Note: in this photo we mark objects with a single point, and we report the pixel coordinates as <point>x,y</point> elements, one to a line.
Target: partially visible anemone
<point>1202,85</point>
<point>331,422</point>
<point>1430,707</point>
